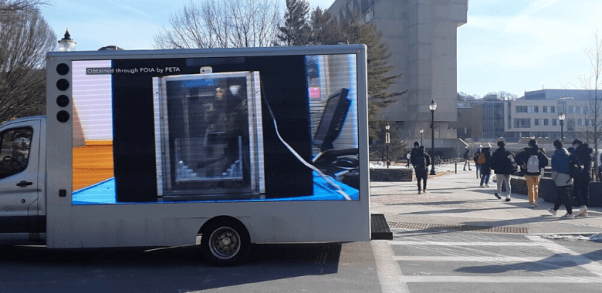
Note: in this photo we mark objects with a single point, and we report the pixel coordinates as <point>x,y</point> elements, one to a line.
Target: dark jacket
<point>467,155</point>
<point>486,167</point>
<point>476,157</point>
<point>421,156</point>
<point>523,157</point>
<point>499,162</point>
<point>414,154</point>
<point>584,154</point>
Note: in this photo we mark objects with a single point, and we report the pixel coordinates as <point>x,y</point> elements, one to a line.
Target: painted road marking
<point>420,243</point>
<point>584,262</point>
<point>499,279</point>
<point>474,258</point>
<point>389,272</point>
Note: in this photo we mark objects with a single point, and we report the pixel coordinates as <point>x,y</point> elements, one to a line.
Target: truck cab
<point>22,180</point>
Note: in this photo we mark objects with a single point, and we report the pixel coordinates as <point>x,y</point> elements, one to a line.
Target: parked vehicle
<point>161,148</point>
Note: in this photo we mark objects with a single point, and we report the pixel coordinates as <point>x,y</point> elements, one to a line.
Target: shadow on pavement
<point>554,262</point>
<point>165,269</point>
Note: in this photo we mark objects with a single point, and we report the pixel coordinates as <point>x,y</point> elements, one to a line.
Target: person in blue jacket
<point>562,179</point>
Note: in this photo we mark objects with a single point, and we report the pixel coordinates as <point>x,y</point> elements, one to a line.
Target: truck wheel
<point>225,242</point>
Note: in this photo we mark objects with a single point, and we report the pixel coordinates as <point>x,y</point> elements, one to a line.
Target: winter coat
<point>523,157</point>
<point>414,156</point>
<point>467,155</point>
<point>499,163</point>
<point>560,168</point>
<point>422,156</point>
<point>584,154</point>
<point>486,167</point>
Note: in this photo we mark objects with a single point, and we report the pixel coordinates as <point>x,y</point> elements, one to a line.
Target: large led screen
<point>264,128</point>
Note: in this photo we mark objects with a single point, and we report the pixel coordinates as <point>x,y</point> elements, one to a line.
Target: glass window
<point>546,122</point>
<point>552,109</point>
<point>522,123</point>
<point>521,109</point>
<point>536,122</point>
<point>15,151</point>
<point>545,109</point>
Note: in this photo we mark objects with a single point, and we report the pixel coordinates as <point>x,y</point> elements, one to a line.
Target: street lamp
<point>67,44</point>
<point>561,118</point>
<point>421,132</point>
<point>433,107</point>
<point>388,141</point>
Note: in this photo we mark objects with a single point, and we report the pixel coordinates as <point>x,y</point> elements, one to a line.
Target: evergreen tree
<point>379,77</point>
<point>296,30</point>
<point>323,29</point>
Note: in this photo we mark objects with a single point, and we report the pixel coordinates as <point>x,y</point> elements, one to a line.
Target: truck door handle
<point>24,183</point>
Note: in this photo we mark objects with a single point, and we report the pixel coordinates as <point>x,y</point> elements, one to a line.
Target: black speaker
<point>62,69</point>
<point>62,84</point>
<point>62,116</point>
<point>62,101</point>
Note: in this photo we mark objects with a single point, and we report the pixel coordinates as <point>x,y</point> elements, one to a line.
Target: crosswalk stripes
<point>552,256</point>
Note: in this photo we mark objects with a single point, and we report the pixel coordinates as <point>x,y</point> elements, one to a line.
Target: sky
<point>506,45</point>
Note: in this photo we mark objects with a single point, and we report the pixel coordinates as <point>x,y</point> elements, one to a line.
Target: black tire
<point>225,242</point>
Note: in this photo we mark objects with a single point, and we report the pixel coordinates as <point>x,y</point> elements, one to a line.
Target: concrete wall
<point>421,35</point>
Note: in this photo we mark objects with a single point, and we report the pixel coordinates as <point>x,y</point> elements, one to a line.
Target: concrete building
<point>539,118</point>
<point>422,38</point>
<point>554,94</point>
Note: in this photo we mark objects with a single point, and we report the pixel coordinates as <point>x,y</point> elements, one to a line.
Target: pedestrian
<point>562,179</point>
<point>531,160</point>
<point>476,164</point>
<point>421,160</point>
<point>581,184</point>
<point>503,163</point>
<point>484,160</point>
<point>467,159</point>
<point>414,153</point>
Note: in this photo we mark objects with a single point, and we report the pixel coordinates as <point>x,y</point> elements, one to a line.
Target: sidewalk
<point>457,201</point>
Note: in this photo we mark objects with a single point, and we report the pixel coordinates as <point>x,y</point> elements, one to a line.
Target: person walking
<point>476,163</point>
<point>467,159</point>
<point>562,179</point>
<point>484,161</point>
<point>421,160</point>
<point>531,160</point>
<point>503,163</point>
<point>581,185</point>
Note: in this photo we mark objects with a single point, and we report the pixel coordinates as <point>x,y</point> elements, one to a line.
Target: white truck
<point>226,147</point>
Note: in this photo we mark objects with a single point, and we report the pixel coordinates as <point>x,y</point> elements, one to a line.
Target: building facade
<point>540,118</point>
<point>422,39</point>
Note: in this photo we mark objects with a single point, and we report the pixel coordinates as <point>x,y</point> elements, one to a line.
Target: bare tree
<point>221,24</point>
<point>8,8</point>
<point>593,81</point>
<point>24,41</point>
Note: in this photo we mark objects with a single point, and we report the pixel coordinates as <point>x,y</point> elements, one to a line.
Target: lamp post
<point>388,141</point>
<point>421,132</point>
<point>66,44</point>
<point>433,107</point>
<point>561,118</point>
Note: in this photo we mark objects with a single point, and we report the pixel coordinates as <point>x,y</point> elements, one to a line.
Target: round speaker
<point>62,84</point>
<point>62,101</point>
<point>62,116</point>
<point>62,69</point>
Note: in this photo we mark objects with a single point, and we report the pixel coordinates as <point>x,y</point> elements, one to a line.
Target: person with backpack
<point>467,159</point>
<point>531,160</point>
<point>561,162</point>
<point>581,185</point>
<point>484,160</point>
<point>421,160</point>
<point>476,159</point>
<point>503,163</point>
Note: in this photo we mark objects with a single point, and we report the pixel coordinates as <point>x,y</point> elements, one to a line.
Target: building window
<point>536,122</point>
<point>545,122</point>
<point>553,122</point>
<point>522,123</point>
<point>545,109</point>
<point>580,122</point>
<point>552,110</point>
<point>533,109</point>
<point>521,109</point>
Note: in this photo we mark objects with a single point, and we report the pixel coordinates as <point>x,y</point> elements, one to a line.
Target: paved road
<point>455,238</point>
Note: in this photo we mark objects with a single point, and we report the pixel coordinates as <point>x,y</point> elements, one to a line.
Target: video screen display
<point>259,128</point>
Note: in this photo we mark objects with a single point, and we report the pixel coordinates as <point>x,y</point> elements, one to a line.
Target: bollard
<point>456,163</point>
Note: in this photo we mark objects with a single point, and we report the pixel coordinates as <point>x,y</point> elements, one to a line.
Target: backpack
<point>533,164</point>
<point>575,166</point>
<point>481,160</point>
